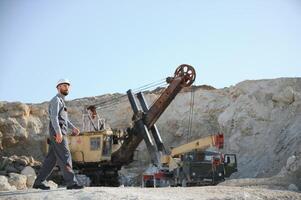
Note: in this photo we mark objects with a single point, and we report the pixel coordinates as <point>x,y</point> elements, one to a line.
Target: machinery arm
<point>145,120</point>
<point>200,144</point>
<point>184,77</point>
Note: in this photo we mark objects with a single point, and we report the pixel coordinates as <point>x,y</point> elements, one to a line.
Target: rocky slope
<point>261,121</point>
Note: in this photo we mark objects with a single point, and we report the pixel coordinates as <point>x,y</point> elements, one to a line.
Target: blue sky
<point>111,46</point>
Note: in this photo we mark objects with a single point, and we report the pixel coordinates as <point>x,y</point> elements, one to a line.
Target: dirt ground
<point>135,193</point>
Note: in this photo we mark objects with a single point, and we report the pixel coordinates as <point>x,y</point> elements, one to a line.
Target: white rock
<point>286,96</point>
<point>293,164</point>
<point>4,185</point>
<point>17,180</point>
<point>290,161</point>
<point>51,184</point>
<point>293,187</point>
<point>30,174</point>
<point>28,171</point>
<point>30,180</point>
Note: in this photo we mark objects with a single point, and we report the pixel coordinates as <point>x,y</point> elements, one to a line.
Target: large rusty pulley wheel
<point>186,71</point>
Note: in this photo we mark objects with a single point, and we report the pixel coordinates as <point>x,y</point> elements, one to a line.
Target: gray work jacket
<point>59,122</point>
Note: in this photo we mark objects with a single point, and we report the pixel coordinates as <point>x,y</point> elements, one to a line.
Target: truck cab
<point>230,164</point>
<point>205,168</point>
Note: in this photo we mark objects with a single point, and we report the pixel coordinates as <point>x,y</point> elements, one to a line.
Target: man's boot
<point>41,186</point>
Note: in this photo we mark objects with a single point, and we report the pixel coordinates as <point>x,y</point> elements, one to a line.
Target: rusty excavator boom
<point>144,119</point>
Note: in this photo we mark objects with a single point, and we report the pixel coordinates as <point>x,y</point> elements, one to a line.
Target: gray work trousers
<point>58,154</point>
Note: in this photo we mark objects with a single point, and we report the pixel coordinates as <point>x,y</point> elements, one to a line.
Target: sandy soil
<point>132,193</point>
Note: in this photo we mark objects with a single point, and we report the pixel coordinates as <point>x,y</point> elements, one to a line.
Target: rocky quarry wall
<point>261,121</point>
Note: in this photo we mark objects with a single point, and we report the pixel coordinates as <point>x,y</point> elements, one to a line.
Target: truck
<point>196,163</point>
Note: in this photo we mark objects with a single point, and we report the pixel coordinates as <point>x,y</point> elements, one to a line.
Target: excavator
<point>100,154</point>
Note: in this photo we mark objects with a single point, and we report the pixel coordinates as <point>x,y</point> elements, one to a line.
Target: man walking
<point>58,152</point>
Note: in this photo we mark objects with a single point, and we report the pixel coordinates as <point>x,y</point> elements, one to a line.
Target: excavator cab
<point>91,147</point>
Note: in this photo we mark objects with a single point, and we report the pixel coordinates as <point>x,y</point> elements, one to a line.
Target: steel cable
<point>191,110</point>
<point>120,99</point>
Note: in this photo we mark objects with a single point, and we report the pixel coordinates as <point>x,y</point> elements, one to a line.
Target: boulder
<point>286,96</point>
<point>293,187</point>
<point>28,171</point>
<point>10,127</point>
<point>30,180</point>
<point>4,185</point>
<point>293,164</point>
<point>17,109</point>
<point>17,180</point>
<point>51,184</point>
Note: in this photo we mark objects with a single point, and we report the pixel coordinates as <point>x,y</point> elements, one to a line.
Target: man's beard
<point>65,93</point>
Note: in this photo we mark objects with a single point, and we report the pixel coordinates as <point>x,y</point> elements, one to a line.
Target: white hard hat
<point>62,81</point>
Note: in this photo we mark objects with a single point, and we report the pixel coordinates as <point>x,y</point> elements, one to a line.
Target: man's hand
<point>75,131</point>
<point>58,137</point>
